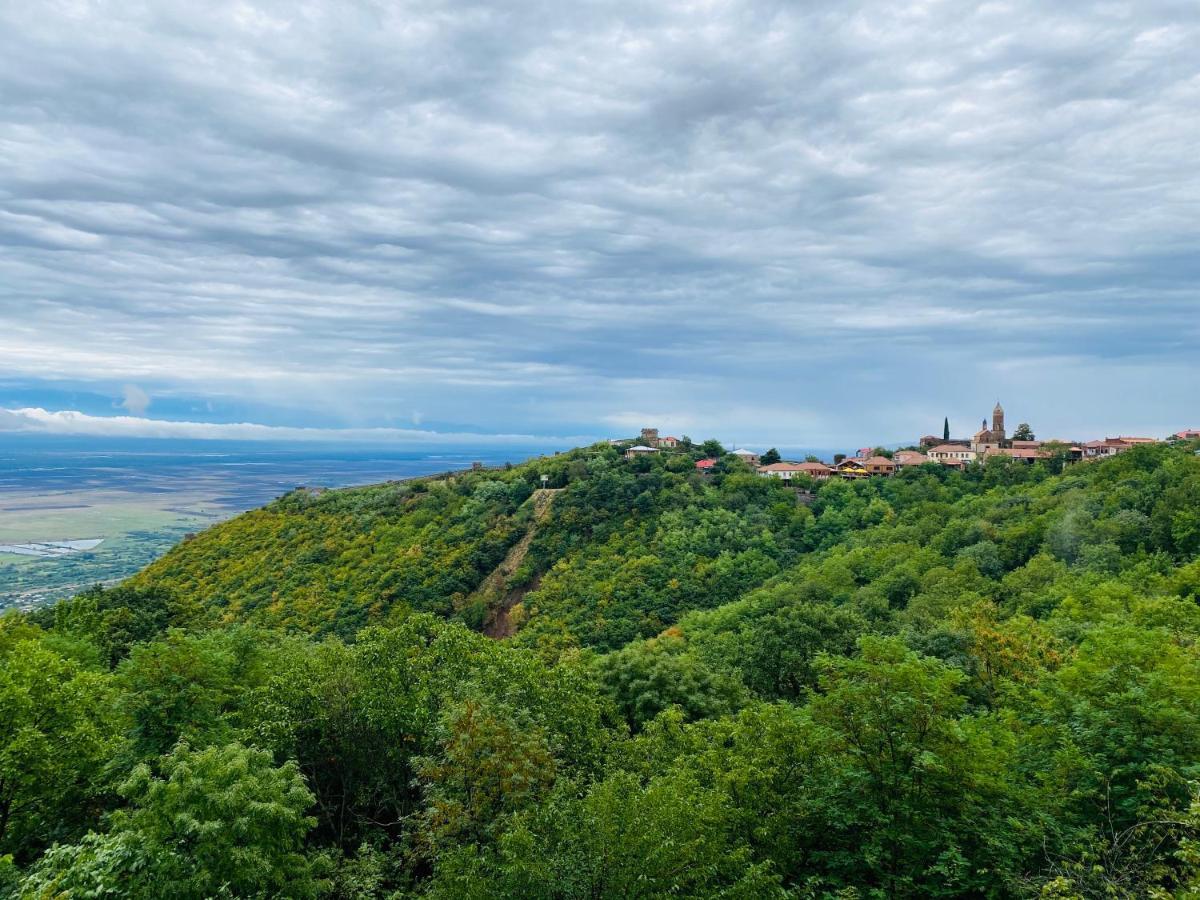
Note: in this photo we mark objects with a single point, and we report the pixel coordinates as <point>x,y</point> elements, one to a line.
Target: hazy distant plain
<point>140,499</point>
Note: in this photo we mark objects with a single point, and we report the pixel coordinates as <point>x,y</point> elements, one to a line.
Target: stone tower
<point>998,422</point>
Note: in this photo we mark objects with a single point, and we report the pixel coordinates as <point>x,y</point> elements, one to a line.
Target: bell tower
<point>998,422</point>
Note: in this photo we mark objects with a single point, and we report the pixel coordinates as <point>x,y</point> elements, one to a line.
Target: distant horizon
<point>72,426</point>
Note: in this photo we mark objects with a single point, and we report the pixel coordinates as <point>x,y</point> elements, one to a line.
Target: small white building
<point>746,456</point>
<point>639,450</point>
<point>785,471</point>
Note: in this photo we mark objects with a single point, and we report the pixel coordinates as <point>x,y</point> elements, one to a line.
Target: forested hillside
<point>983,683</point>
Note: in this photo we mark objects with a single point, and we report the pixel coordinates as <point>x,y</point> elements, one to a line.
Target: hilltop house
<point>1024,454</point>
<point>639,450</point>
<point>1113,446</point>
<point>746,456</point>
<point>879,465</point>
<point>1106,447</point>
<point>786,471</point>
<point>781,470</point>
<point>1188,434</point>
<point>816,470</point>
<point>649,438</point>
<point>955,454</point>
<point>905,458</point>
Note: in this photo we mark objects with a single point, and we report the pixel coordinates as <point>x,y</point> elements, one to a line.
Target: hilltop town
<point>991,441</point>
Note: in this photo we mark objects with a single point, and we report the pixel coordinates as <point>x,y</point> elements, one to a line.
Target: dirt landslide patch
<point>494,591</point>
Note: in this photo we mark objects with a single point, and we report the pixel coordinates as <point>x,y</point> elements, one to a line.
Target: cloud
<point>135,399</point>
<point>33,420</point>
<point>534,217</point>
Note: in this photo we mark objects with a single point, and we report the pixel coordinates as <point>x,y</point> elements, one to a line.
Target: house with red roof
<point>817,470</point>
<point>781,470</point>
<point>951,453</point>
<point>906,458</point>
<point>879,465</point>
<point>1024,454</point>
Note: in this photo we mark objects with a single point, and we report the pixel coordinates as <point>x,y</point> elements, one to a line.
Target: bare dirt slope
<point>495,591</point>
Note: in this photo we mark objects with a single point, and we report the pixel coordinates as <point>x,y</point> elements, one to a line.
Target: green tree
<point>647,677</point>
<point>115,619</point>
<point>1175,521</point>
<point>620,839</point>
<point>57,732</point>
<point>224,821</point>
<point>776,651</point>
<point>946,429</point>
<point>771,456</point>
<point>362,721</point>
<point>919,797</point>
<point>1023,433</point>
<point>489,764</point>
<point>177,689</point>
<point>1130,699</point>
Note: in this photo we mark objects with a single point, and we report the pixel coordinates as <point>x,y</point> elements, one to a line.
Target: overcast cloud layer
<point>760,221</point>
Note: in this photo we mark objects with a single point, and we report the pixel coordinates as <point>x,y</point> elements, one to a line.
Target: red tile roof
<point>814,467</point>
<point>1020,453</point>
<point>705,463</point>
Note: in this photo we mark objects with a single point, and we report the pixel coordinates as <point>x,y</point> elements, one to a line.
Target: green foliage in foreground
<point>983,684</point>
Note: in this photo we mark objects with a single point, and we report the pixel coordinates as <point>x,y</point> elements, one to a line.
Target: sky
<point>771,223</point>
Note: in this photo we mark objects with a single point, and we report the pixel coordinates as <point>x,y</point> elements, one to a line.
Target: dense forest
<point>592,677</point>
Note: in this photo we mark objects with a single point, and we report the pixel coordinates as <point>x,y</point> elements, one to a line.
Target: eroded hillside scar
<point>494,591</point>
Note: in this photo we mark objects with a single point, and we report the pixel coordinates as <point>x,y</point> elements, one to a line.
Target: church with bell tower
<point>993,438</point>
